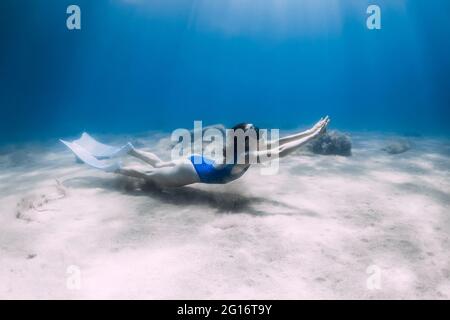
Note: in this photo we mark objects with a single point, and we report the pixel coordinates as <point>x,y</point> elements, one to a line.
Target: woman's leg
<point>181,173</point>
<point>150,158</point>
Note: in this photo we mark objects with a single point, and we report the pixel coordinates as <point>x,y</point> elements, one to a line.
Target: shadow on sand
<point>222,202</point>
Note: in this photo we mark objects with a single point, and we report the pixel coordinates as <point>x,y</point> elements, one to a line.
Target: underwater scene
<point>119,180</point>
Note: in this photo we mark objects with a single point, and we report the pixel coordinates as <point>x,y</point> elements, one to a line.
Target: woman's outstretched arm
<point>302,134</point>
<point>290,146</point>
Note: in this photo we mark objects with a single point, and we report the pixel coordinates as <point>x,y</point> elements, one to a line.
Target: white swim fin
<point>100,150</point>
<point>90,160</point>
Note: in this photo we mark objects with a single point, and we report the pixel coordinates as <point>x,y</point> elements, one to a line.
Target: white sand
<point>311,231</point>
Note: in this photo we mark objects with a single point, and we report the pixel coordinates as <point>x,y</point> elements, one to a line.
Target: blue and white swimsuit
<point>209,172</point>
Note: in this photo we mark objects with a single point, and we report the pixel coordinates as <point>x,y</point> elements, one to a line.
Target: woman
<point>194,169</point>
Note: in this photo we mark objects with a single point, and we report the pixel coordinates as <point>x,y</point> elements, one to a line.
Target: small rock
<point>332,143</point>
<point>396,147</point>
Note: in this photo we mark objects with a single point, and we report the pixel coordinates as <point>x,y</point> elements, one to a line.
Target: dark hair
<point>247,126</point>
<point>244,126</point>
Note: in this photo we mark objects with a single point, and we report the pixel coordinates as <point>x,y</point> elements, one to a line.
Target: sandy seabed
<point>323,227</point>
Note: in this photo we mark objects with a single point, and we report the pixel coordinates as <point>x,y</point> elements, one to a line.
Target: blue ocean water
<point>139,65</point>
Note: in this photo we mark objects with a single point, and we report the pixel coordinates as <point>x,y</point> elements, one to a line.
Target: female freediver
<point>195,168</point>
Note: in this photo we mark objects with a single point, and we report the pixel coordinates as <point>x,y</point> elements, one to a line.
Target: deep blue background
<point>137,67</point>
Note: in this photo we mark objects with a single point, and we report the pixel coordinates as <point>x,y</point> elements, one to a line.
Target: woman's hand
<point>321,126</point>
